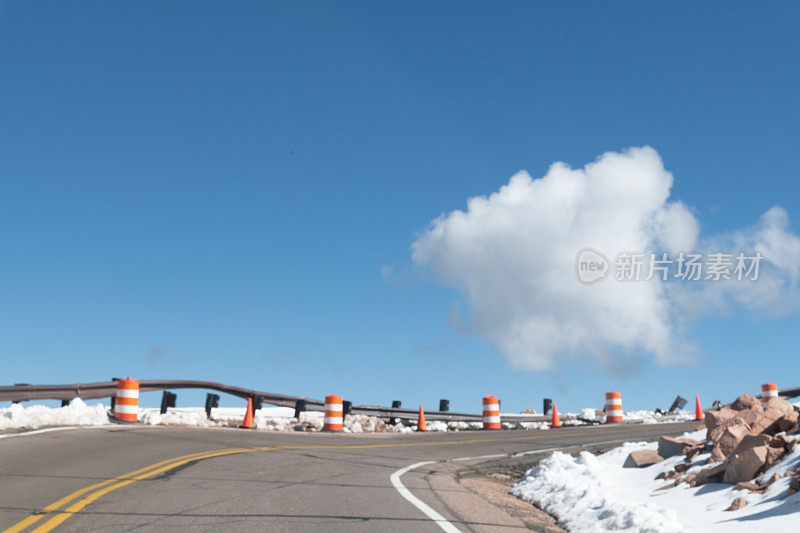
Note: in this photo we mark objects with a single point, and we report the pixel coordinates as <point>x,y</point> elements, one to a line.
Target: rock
<point>750,416</point>
<point>670,485</point>
<point>773,456</point>
<point>776,409</point>
<point>794,484</point>
<point>746,465</point>
<point>779,441</point>
<point>715,418</point>
<point>748,485</point>
<point>737,504</point>
<point>752,441</point>
<point>693,479</point>
<point>713,474</point>
<point>682,467</point>
<point>642,458</point>
<point>787,422</point>
<point>528,412</point>
<point>693,452</point>
<point>670,446</point>
<point>730,437</point>
<point>771,480</point>
<point>780,405</point>
<point>746,401</point>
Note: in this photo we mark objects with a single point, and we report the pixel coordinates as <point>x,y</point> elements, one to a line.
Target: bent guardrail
<point>107,389</point>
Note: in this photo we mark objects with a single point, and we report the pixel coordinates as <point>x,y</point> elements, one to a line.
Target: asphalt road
<point>258,481</point>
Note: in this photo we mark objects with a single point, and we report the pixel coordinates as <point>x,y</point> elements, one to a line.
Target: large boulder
<point>751,417</point>
<point>642,458</point>
<point>728,438</point>
<point>716,418</point>
<point>752,441</point>
<point>671,446</point>
<point>777,409</point>
<point>746,401</point>
<point>746,465</point>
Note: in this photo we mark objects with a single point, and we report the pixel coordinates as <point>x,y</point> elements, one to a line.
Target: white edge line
<point>47,430</point>
<point>441,521</point>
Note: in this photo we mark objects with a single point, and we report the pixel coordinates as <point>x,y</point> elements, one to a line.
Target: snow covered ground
<point>594,493</point>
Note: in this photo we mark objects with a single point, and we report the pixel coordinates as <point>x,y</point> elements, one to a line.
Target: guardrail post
<point>212,400</point>
<point>168,399</point>
<point>258,402</point>
<point>396,404</point>
<point>299,407</point>
<point>346,409</point>
<point>547,406</point>
<point>444,405</point>
<point>64,403</point>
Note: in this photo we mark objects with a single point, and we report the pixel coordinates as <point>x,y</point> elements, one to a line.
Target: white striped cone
<point>491,412</point>
<point>768,391</point>
<point>613,407</point>
<point>126,404</point>
<point>333,413</point>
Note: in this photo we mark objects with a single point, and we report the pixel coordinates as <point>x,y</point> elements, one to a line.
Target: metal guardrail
<point>107,389</point>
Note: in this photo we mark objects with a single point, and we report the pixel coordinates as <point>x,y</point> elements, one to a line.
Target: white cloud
<point>512,256</point>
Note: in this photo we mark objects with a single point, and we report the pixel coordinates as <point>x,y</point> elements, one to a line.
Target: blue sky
<point>210,190</point>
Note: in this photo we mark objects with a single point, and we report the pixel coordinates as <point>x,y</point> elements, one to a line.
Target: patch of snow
<point>594,493</point>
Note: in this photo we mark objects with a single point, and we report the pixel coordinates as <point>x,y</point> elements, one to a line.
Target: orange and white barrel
<point>491,412</point>
<point>768,391</point>
<point>613,407</point>
<point>333,413</point>
<point>126,404</point>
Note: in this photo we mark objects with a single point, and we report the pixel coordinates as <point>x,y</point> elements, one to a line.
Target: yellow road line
<point>80,504</point>
<point>66,499</point>
<point>104,487</point>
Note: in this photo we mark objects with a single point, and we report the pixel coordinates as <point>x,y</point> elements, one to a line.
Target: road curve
<point>151,478</point>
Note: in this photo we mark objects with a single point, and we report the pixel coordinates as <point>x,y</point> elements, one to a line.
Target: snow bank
<point>594,493</point>
<point>77,413</point>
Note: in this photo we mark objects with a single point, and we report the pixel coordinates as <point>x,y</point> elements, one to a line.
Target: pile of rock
<point>744,440</point>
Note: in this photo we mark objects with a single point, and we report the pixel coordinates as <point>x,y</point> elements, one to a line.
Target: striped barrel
<point>333,413</point>
<point>491,412</point>
<point>613,407</point>
<point>126,404</point>
<point>768,391</point>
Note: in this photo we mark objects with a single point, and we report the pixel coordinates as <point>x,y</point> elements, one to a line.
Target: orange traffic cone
<point>421,426</point>
<point>556,423</point>
<point>248,416</point>
<point>698,410</point>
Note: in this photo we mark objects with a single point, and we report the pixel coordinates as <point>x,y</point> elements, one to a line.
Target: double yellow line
<point>58,514</point>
